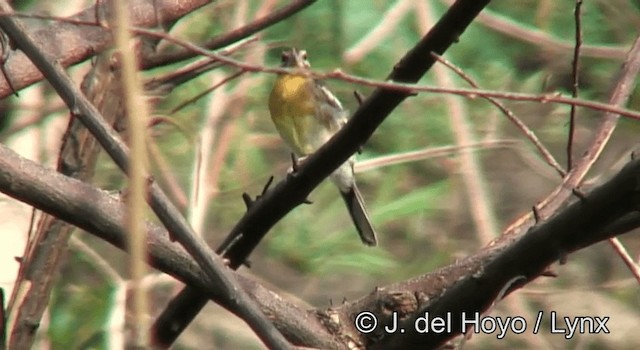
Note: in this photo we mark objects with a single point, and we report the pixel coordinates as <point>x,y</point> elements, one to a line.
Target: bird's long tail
<point>358,212</point>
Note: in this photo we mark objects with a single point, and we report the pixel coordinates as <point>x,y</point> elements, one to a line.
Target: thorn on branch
<point>124,195</point>
<point>295,166</point>
<point>563,258</point>
<point>248,202</point>
<point>359,96</point>
<point>294,163</point>
<point>581,195</point>
<point>266,186</point>
<point>536,214</point>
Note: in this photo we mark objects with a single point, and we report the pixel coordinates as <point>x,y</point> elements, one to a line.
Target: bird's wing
<point>329,109</point>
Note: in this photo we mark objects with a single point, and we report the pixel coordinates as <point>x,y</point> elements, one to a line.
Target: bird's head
<point>295,58</point>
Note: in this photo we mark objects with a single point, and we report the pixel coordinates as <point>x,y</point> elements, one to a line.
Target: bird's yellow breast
<point>291,95</point>
<point>292,108</point>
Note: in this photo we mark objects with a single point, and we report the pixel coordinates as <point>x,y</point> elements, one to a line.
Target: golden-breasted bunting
<point>307,114</point>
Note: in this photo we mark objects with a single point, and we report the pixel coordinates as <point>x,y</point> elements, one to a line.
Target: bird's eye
<point>285,57</point>
<point>303,55</point>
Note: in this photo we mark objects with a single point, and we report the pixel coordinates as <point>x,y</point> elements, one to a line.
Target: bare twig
<point>385,26</point>
<point>404,87</point>
<point>431,152</point>
<point>391,85</point>
<point>210,129</point>
<point>187,304</point>
<point>230,37</point>
<point>470,170</point>
<point>48,243</point>
<point>167,81</point>
<point>624,255</point>
<point>619,96</point>
<point>575,73</point>
<point>80,43</point>
<point>473,93</point>
<point>541,39</point>
<point>528,133</point>
<point>137,113</point>
<point>206,91</point>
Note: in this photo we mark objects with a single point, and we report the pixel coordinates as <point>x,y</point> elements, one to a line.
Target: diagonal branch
<point>102,214</point>
<point>230,37</point>
<point>164,209</point>
<point>293,191</point>
<point>78,155</point>
<point>538,38</point>
<point>77,43</point>
<point>575,73</point>
<point>82,41</point>
<point>528,133</point>
<point>472,285</point>
<point>619,97</point>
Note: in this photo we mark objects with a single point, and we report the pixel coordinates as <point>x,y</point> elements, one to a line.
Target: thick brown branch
<point>47,246</point>
<point>294,191</point>
<point>288,194</point>
<point>103,215</point>
<point>77,43</point>
<point>159,59</point>
<point>473,284</point>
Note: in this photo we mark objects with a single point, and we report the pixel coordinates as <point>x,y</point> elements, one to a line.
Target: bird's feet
<point>295,164</point>
<point>293,170</point>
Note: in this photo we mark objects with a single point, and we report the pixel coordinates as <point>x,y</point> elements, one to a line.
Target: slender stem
<point>575,72</point>
<point>137,113</point>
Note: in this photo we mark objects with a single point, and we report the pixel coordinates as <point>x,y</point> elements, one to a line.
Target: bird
<point>306,115</point>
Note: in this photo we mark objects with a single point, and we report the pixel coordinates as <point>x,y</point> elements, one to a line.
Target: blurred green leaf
<point>419,201</point>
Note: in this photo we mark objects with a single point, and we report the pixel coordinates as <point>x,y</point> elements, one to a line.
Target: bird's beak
<point>300,58</point>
